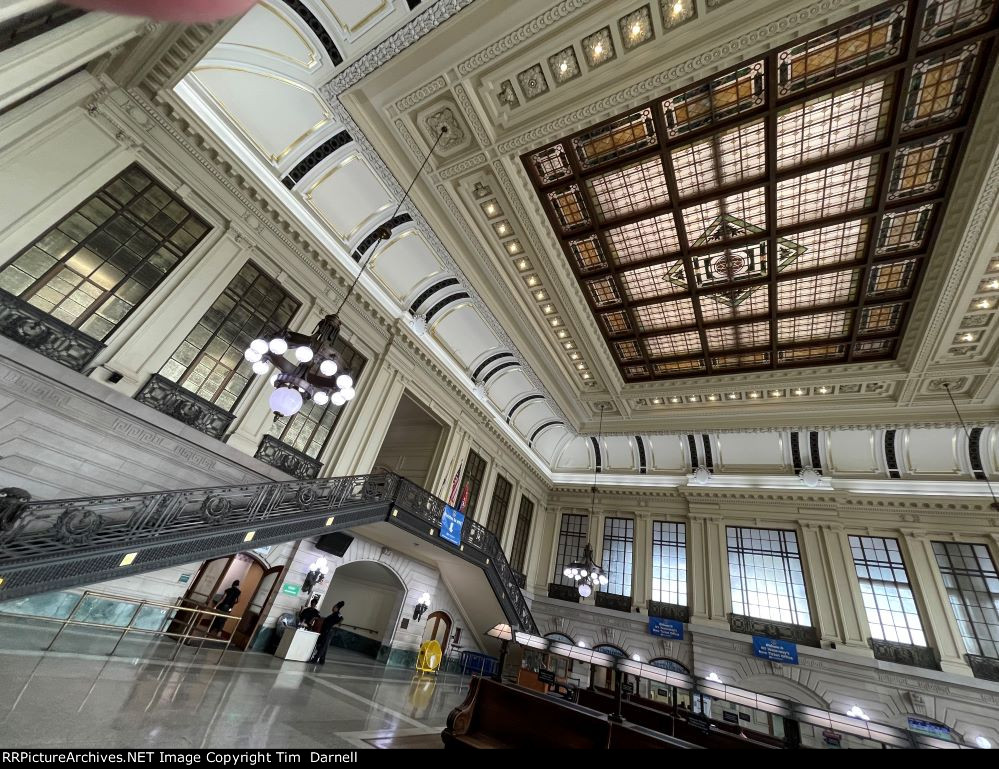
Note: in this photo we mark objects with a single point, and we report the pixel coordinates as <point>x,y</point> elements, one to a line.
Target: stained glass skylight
<point>779,213</point>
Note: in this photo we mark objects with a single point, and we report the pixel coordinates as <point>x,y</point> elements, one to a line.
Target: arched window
<point>560,637</point>
<point>611,649</point>
<point>667,664</point>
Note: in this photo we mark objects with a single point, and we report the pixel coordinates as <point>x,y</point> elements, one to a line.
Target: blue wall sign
<point>930,728</point>
<point>666,628</point>
<point>451,523</point>
<point>774,650</point>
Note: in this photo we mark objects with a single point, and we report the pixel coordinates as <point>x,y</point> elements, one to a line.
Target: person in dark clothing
<point>326,635</point>
<point>309,614</point>
<point>229,599</point>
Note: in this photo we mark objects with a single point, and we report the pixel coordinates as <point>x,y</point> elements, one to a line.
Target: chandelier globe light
<point>315,374</point>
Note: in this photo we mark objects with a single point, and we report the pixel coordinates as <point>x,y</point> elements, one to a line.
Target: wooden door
<point>438,629</point>
<point>253,612</point>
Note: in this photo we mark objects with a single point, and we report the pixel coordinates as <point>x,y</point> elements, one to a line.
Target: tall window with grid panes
<point>766,575</point>
<point>669,563</point>
<point>210,362</point>
<point>571,543</point>
<point>618,557</point>
<point>99,263</point>
<point>309,430</point>
<point>972,583</point>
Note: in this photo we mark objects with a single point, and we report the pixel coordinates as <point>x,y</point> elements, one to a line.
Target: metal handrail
<point>197,615</point>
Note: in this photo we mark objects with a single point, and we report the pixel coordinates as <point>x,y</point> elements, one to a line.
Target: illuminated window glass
<point>572,538</point>
<point>972,584</point>
<point>518,553</point>
<point>209,362</point>
<point>766,576</point>
<point>498,506</point>
<point>97,265</point>
<point>669,563</point>
<point>884,585</point>
<point>619,546</point>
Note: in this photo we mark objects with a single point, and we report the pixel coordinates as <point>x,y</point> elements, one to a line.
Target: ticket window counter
<point>669,695</point>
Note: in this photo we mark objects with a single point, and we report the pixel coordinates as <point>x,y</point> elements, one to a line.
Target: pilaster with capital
<point>707,570</point>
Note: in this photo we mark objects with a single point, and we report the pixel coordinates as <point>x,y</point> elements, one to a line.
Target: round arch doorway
<point>372,595</point>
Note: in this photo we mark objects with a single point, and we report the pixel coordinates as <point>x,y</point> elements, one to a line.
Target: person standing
<point>326,635</point>
<point>229,599</point>
<point>309,614</point>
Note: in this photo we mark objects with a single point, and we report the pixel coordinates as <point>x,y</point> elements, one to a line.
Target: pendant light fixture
<point>587,574</point>
<point>315,374</point>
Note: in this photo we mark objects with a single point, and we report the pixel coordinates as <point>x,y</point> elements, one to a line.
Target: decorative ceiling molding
<point>672,77</point>
<point>424,23</point>
<point>525,32</point>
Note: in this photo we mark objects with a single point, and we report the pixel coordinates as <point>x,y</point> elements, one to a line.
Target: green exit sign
<point>290,589</point>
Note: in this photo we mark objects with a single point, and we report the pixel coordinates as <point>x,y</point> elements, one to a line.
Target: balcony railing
<point>669,611</point>
<point>285,458</point>
<point>563,592</point>
<point>612,601</point>
<point>48,336</point>
<point>194,411</point>
<point>799,634</point>
<point>905,654</point>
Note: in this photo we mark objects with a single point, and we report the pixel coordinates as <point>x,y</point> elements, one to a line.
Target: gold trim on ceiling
<point>361,23</point>
<point>326,119</point>
<point>313,56</point>
<point>307,196</point>
<point>394,242</point>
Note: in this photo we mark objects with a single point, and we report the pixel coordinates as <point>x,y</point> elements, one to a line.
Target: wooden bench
<point>496,715</point>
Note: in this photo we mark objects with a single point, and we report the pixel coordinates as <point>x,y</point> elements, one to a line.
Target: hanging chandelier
<point>314,373</point>
<point>586,573</point>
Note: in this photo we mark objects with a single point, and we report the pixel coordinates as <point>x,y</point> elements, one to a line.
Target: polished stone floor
<point>76,699</point>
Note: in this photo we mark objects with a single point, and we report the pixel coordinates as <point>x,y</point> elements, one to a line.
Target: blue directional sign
<point>775,651</point>
<point>451,523</point>
<point>666,628</point>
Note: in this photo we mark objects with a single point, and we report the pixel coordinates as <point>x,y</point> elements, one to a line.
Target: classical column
<point>707,570</point>
<point>831,585</point>
<point>938,618</point>
<point>360,435</point>
<point>641,560</point>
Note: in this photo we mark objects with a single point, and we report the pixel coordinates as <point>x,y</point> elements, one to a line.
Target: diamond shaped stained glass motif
<point>777,213</point>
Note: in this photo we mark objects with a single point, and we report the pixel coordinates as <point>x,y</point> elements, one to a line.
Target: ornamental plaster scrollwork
<point>468,110</point>
<point>458,169</point>
<point>426,22</point>
<point>421,94</point>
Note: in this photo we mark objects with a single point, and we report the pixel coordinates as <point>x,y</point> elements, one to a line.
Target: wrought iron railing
<point>563,592</point>
<point>986,668</point>
<point>46,545</point>
<point>784,631</point>
<point>668,611</point>
<point>613,601</point>
<point>285,458</point>
<point>48,336</point>
<point>905,654</point>
<point>194,411</point>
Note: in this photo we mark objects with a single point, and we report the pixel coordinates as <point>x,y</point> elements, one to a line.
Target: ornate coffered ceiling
<point>475,268</point>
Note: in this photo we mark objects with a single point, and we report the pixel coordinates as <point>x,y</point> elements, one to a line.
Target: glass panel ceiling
<point>779,213</point>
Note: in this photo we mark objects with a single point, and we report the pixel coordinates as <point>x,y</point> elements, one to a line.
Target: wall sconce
<point>318,570</point>
<point>420,609</point>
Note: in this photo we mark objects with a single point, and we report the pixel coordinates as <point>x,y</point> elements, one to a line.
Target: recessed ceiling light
<point>586,376</point>
<point>556,322</point>
<point>574,356</point>
<point>563,66</point>
<point>733,396</point>
<point>562,335</point>
<point>968,338</point>
<point>754,394</point>
<point>775,393</point>
<point>567,345</point>
<point>823,390</point>
<point>490,209</point>
<point>548,309</point>
<point>522,264</point>
<point>502,229</point>
<point>581,366</point>
<point>532,281</point>
<point>674,399</point>
<point>539,295</point>
<point>712,397</point>
<point>994,285</point>
<point>678,7</point>
<point>636,29</point>
<point>513,247</point>
<point>799,391</point>
<point>984,304</point>
<point>657,401</point>
<point>598,49</point>
<point>692,398</point>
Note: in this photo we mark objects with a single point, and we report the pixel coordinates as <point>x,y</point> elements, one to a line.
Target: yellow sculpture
<point>429,658</point>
